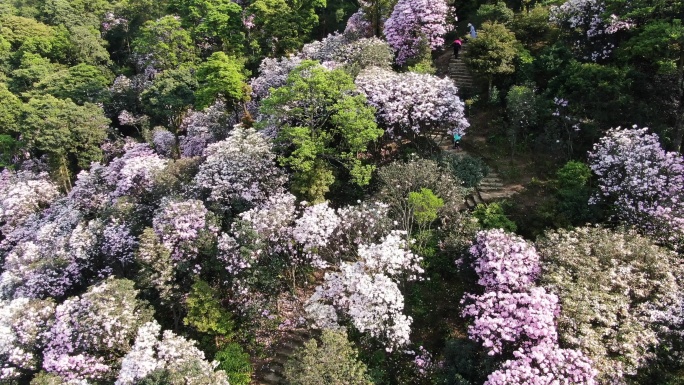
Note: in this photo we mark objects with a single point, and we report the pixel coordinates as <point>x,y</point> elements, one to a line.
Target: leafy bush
<point>492,216</point>
<point>333,362</point>
<point>235,362</point>
<point>467,169</point>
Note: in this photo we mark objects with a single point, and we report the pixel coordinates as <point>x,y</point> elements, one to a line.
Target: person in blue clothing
<point>457,141</point>
<point>472,31</point>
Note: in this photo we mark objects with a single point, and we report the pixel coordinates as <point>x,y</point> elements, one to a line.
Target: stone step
<point>495,196</point>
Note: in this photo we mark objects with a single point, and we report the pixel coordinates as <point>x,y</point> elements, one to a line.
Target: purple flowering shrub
<point>183,227</point>
<point>92,333</point>
<point>416,22</point>
<point>134,173</point>
<point>513,317</point>
<point>411,103</point>
<point>205,127</point>
<point>642,181</point>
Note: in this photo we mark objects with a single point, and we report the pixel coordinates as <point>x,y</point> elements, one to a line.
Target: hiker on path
<point>457,47</point>
<point>457,141</point>
<point>472,31</point>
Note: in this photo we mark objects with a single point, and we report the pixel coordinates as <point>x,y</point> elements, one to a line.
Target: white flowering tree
<point>240,168</point>
<point>641,181</point>
<point>413,104</point>
<point>618,292</point>
<point>23,326</point>
<point>22,194</point>
<point>170,359</point>
<point>367,294</point>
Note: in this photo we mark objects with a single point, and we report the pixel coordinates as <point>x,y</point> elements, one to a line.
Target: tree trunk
<point>679,122</point>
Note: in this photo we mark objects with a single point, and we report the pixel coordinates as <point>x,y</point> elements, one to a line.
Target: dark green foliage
<point>495,13</point>
<point>170,96</point>
<point>327,129</point>
<point>573,193</point>
<point>467,169</point>
<point>334,361</point>
<point>235,362</point>
<point>69,134</point>
<point>82,83</point>
<point>465,363</point>
<point>163,44</point>
<point>221,76</point>
<point>492,216</point>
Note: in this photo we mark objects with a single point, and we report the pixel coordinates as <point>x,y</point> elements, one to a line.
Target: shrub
<point>333,362</point>
<point>492,216</point>
<point>235,362</point>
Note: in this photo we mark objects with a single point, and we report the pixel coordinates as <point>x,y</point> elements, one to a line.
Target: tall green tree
<point>169,97</point>
<point>282,26</point>
<point>220,20</point>
<point>323,126</point>
<point>69,134</point>
<point>163,44</point>
<point>492,53</point>
<point>221,76</point>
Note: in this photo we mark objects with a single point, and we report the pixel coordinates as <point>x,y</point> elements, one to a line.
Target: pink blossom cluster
<point>504,262</point>
<point>520,317</point>
<point>93,331</point>
<point>180,224</point>
<point>134,173</point>
<point>22,194</point>
<point>313,230</point>
<point>642,181</point>
<point>110,21</point>
<point>416,22</point>
<point>505,319</point>
<point>358,26</point>
<point>341,51</point>
<point>413,103</point>
<point>242,167</point>
<point>544,364</point>
<point>170,353</point>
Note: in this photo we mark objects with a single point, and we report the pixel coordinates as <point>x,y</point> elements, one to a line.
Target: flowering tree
<point>204,127</point>
<point>358,26</point>
<point>366,292</point>
<point>242,167</point>
<point>617,292</point>
<point>416,22</point>
<point>352,55</point>
<point>411,103</point>
<point>23,326</point>
<point>642,181</point>
<point>22,194</point>
<point>514,317</point>
<point>93,332</point>
<point>171,359</point>
<point>586,24</point>
<point>46,256</point>
<point>182,227</point>
<point>134,173</point>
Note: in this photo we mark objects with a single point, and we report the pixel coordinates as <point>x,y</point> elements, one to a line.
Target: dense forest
<point>259,192</point>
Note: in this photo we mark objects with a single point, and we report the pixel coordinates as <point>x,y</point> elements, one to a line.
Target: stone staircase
<point>270,371</point>
<point>459,72</point>
<point>490,189</point>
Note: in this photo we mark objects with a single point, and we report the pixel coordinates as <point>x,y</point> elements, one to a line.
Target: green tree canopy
<point>163,44</point>
<point>69,134</point>
<point>171,94</point>
<point>221,76</point>
<point>492,52</point>
<point>323,126</point>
